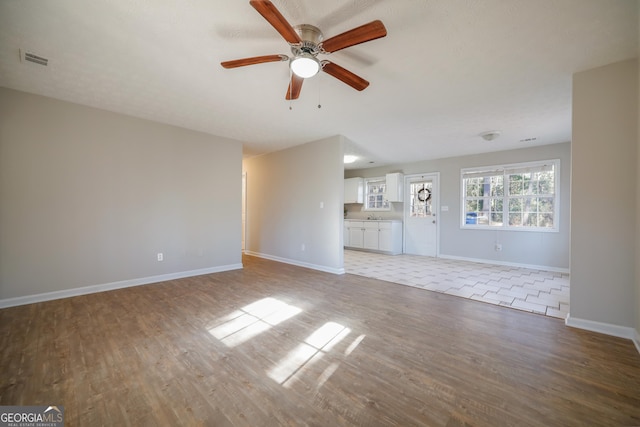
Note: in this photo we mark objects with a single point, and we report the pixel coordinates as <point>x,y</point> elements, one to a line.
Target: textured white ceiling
<point>447,70</point>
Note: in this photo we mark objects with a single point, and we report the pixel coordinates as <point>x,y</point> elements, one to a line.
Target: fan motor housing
<point>311,38</point>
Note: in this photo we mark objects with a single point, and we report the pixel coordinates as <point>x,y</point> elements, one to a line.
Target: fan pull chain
<point>319,91</point>
<point>290,88</point>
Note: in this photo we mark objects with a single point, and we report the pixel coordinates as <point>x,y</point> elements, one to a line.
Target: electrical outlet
<point>160,256</point>
<point>303,247</point>
<point>498,247</point>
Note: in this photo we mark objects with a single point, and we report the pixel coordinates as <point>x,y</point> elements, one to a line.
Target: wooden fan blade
<point>364,33</point>
<point>277,21</point>
<point>344,75</point>
<point>253,60</point>
<point>293,91</point>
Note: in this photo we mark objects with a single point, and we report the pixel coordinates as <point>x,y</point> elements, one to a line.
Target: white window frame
<point>385,202</point>
<point>504,171</point>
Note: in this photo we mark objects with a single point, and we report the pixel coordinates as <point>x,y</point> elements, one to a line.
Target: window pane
<point>528,186</point>
<point>474,187</point>
<point>515,185</point>
<point>497,186</point>
<point>496,218</point>
<point>545,187</point>
<point>530,219</point>
<point>470,189</point>
<point>545,204</point>
<point>545,220</point>
<point>515,205</point>
<point>515,219</point>
<point>535,187</point>
<point>529,204</point>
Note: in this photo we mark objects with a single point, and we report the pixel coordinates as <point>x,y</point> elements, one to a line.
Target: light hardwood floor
<point>275,344</point>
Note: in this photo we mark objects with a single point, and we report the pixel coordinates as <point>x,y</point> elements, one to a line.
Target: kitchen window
<point>376,194</point>
<point>521,196</point>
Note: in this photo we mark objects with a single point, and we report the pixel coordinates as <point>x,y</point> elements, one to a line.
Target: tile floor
<point>536,291</point>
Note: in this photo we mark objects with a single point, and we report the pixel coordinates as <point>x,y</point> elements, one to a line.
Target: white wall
<point>546,249</point>
<point>604,189</point>
<point>89,197</point>
<point>284,193</point>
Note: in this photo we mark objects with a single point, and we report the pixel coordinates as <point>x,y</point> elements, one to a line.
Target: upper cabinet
<point>394,187</point>
<point>353,190</point>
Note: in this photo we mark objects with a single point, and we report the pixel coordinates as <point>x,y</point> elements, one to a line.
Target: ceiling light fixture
<point>490,135</point>
<point>348,158</point>
<point>305,65</point>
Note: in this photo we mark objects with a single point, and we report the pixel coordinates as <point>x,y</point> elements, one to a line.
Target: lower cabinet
<point>386,241</point>
<point>370,235</point>
<point>347,240</point>
<point>379,236</point>
<point>356,234</point>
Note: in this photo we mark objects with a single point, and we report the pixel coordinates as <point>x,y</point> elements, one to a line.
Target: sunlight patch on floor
<point>314,347</point>
<point>252,320</point>
<point>353,345</point>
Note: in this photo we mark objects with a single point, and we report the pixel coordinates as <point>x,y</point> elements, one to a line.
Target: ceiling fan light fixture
<point>305,65</point>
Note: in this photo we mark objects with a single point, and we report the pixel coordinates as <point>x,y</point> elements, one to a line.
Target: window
<point>420,199</point>
<point>517,197</point>
<point>376,194</point>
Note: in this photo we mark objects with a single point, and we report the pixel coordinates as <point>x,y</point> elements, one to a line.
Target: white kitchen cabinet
<point>371,231</point>
<point>378,236</point>
<point>390,236</point>
<point>345,234</point>
<point>394,187</point>
<point>354,190</point>
<point>356,234</point>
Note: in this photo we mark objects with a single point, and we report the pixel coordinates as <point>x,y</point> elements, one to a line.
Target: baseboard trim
<point>605,328</point>
<point>297,263</point>
<point>92,289</point>
<point>505,263</point>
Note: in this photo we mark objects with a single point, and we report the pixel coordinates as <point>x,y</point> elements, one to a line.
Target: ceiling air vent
<point>529,139</point>
<point>32,57</point>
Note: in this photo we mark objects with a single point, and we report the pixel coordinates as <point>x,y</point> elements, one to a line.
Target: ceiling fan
<point>307,42</point>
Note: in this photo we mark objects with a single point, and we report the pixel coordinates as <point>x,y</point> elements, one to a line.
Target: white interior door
<point>420,208</point>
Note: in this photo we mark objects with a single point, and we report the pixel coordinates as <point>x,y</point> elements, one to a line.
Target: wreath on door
<point>424,194</point>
